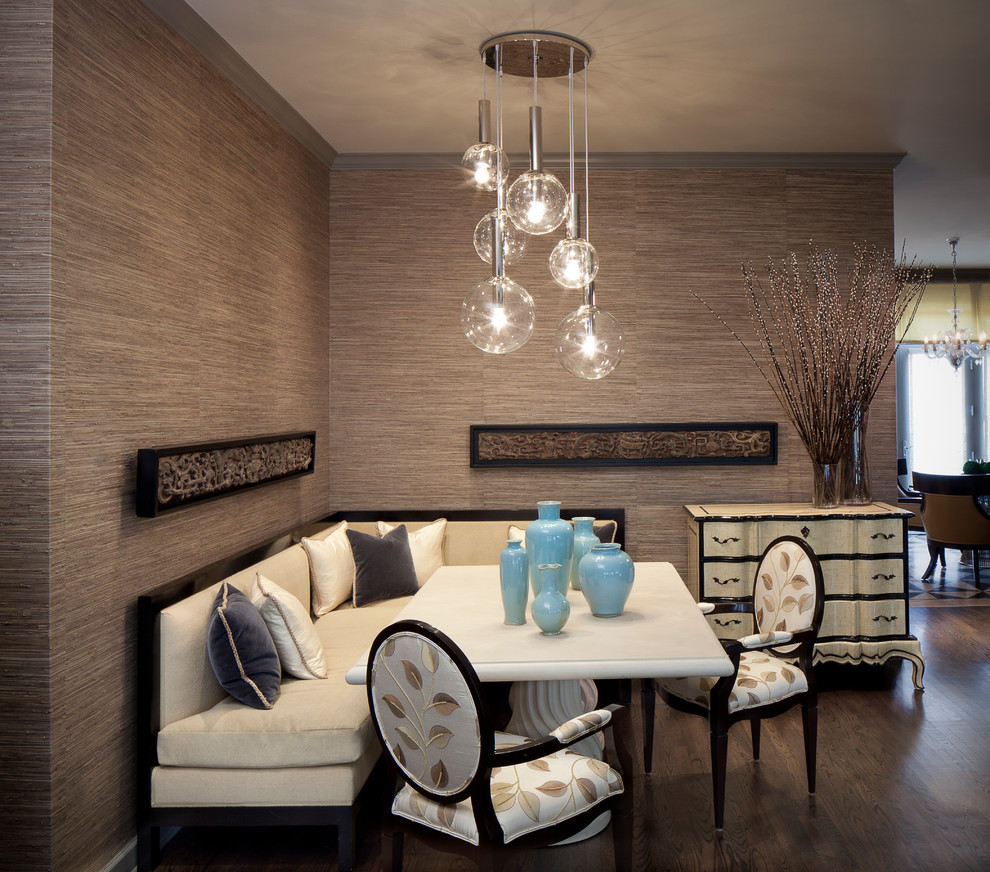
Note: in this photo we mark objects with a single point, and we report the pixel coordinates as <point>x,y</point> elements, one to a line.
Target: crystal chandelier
<point>498,316</point>
<point>957,343</point>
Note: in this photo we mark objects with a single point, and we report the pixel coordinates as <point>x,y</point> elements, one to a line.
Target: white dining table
<point>660,633</point>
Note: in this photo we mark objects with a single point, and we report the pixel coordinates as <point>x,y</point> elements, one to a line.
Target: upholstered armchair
<point>463,787</point>
<point>773,669</point>
<point>953,516</point>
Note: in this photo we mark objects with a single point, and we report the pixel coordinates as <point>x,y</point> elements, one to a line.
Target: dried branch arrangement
<point>823,352</point>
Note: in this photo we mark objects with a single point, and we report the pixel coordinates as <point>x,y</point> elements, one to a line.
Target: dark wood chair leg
<point>933,552</point>
<point>392,852</point>
<point>649,712</point>
<point>976,567</point>
<point>149,848</point>
<point>809,714</point>
<point>720,749</point>
<point>754,726</point>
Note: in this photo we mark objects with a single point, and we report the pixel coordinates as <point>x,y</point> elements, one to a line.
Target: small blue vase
<point>606,573</point>
<point>513,567</point>
<point>548,540</point>
<point>550,608</point>
<point>584,538</point>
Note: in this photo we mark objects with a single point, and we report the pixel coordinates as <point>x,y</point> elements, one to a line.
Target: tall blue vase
<point>550,608</point>
<point>513,566</point>
<point>607,575</point>
<point>548,540</point>
<point>584,538</point>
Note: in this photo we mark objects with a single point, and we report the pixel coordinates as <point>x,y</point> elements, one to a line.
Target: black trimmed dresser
<point>863,552</point>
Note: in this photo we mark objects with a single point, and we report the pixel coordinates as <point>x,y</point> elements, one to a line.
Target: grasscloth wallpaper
<point>407,385</point>
<point>192,274</point>
<point>188,302</point>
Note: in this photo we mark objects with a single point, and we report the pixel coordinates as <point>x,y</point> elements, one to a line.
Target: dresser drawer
<point>884,575</point>
<point>732,625</point>
<point>733,580</point>
<point>867,618</point>
<point>825,535</point>
<point>730,539</point>
<point>880,536</point>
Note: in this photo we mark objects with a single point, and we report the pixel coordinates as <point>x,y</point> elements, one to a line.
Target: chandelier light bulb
<point>513,240</point>
<point>589,343</point>
<point>537,202</point>
<point>483,167</point>
<point>573,263</point>
<point>498,315</point>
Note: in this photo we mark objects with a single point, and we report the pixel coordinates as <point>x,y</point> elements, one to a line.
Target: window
<point>941,413</point>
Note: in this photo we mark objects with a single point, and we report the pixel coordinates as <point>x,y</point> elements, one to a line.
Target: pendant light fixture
<point>956,344</point>
<point>498,314</point>
<point>574,261</point>
<point>483,165</point>
<point>537,201</point>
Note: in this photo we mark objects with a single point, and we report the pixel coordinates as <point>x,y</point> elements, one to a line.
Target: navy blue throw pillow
<point>241,650</point>
<point>383,568</point>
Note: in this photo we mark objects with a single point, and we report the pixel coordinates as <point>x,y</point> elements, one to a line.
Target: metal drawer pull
<point>884,576</point>
<point>886,618</point>
<point>727,623</point>
<point>726,580</point>
<point>883,536</point>
<point>726,541</point>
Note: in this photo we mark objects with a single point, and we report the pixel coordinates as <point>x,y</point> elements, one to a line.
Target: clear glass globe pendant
<point>573,261</point>
<point>498,315</point>
<point>485,165</point>
<point>537,201</point>
<point>589,342</point>
<point>513,240</point>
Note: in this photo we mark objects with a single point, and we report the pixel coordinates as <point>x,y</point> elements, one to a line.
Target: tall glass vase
<point>854,472</point>
<point>825,488</point>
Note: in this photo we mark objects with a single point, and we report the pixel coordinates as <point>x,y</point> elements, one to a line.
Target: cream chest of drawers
<point>863,552</point>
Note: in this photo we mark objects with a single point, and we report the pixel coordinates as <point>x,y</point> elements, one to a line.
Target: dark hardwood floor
<point>903,784</point>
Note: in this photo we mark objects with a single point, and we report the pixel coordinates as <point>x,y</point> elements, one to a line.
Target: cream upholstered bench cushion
<point>313,723</point>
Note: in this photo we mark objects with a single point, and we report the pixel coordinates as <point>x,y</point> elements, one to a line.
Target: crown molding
<point>640,160</point>
<point>187,23</point>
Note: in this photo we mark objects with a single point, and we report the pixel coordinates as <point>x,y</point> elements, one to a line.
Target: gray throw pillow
<point>241,650</point>
<point>383,568</point>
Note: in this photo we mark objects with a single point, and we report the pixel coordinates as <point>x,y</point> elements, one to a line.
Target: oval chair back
<point>788,591</point>
<point>428,709</point>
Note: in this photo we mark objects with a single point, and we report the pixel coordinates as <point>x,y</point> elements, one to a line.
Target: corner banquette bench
<point>206,759</point>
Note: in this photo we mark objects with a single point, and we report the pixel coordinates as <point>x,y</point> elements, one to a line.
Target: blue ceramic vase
<point>550,608</point>
<point>606,576</point>
<point>513,567</point>
<point>584,538</point>
<point>548,540</point>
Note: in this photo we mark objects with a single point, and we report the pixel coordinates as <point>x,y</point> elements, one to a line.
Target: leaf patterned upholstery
<point>762,679</point>
<point>526,797</point>
<point>784,594</point>
<point>427,715</point>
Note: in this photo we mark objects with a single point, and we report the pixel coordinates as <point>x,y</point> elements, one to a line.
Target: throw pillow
<point>426,545</point>
<point>241,650</point>
<point>296,640</point>
<point>383,568</point>
<point>331,569</point>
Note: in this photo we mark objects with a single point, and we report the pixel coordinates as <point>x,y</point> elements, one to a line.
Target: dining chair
<point>953,516</point>
<point>772,667</point>
<point>461,786</point>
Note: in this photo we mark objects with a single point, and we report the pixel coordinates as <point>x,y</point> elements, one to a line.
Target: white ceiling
<point>404,76</point>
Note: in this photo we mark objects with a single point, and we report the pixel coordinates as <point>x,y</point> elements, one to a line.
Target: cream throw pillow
<point>426,545</point>
<point>296,641</point>
<point>331,569</point>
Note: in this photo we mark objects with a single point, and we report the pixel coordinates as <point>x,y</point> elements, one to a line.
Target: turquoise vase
<point>513,567</point>
<point>584,538</point>
<point>548,540</point>
<point>550,608</point>
<point>606,576</point>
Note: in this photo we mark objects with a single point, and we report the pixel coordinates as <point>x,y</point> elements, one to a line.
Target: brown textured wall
<point>406,384</point>
<point>25,203</point>
<point>190,274</point>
